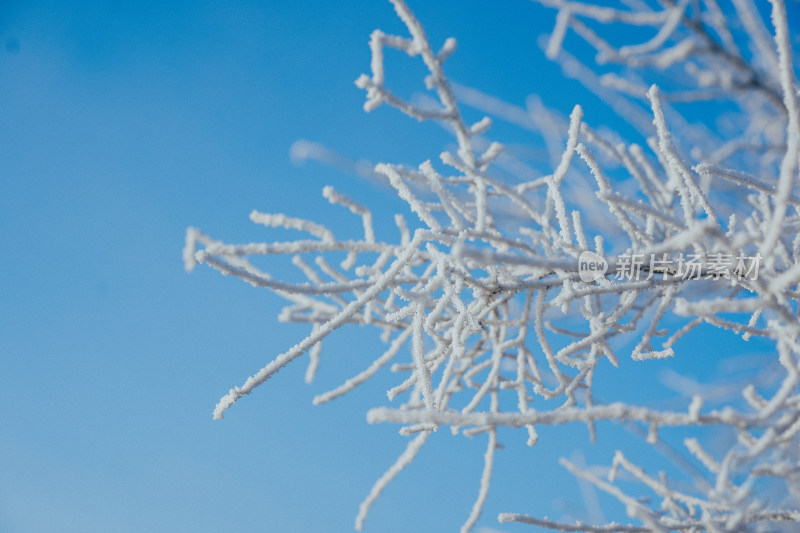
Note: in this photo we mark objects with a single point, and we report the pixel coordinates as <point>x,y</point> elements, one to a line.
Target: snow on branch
<point>522,287</point>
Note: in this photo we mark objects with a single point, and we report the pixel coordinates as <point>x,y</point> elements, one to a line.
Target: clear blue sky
<point>120,126</point>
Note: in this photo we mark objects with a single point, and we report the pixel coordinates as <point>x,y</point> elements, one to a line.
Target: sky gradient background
<point>119,127</point>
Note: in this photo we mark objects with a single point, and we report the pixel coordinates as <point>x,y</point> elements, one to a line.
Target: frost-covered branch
<point>484,295</point>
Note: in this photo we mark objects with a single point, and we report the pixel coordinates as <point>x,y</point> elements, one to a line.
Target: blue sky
<point>120,126</point>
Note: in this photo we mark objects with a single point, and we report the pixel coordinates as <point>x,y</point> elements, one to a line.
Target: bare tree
<point>512,283</point>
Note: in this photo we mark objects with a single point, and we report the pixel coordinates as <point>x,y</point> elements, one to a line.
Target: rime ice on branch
<point>475,296</point>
